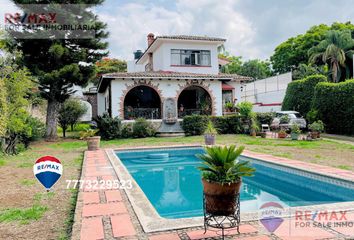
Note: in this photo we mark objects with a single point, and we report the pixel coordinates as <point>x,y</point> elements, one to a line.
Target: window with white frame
<point>181,57</point>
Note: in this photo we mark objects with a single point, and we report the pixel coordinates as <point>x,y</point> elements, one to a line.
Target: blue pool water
<point>172,183</point>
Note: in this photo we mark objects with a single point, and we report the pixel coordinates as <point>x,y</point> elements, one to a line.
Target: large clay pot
<point>93,143</point>
<point>220,200</point>
<point>209,139</point>
<point>282,135</point>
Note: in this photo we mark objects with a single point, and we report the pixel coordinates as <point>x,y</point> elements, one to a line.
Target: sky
<point>253,28</point>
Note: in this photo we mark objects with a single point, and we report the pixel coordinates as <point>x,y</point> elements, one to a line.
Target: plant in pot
<point>209,134</point>
<point>295,132</point>
<point>316,129</point>
<point>254,128</point>
<point>222,174</point>
<point>93,142</point>
<point>282,134</point>
<point>229,107</point>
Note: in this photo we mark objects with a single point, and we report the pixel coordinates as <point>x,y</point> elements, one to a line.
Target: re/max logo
<point>30,18</point>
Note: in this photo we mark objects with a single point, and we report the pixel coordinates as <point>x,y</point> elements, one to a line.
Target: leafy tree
<point>235,63</point>
<point>304,70</point>
<point>256,69</point>
<point>110,65</point>
<point>59,64</point>
<point>70,113</point>
<point>333,50</point>
<point>294,51</point>
<point>17,84</point>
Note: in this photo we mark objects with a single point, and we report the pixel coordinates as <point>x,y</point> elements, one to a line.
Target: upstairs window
<point>190,57</point>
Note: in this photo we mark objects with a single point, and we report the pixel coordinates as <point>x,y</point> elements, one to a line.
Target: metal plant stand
<point>222,222</point>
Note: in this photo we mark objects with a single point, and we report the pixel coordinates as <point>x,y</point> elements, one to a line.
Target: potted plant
<point>93,142</point>
<point>229,107</point>
<point>263,135</point>
<point>209,134</point>
<point>254,128</point>
<point>222,174</point>
<point>316,129</point>
<point>295,132</point>
<point>282,134</point>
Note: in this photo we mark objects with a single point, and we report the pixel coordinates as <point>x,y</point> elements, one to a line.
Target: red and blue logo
<point>48,170</point>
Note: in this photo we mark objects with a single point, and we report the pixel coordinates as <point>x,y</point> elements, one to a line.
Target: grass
<point>22,215</point>
<point>27,182</point>
<point>66,234</point>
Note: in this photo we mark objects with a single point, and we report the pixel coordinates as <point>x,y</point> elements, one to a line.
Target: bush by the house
<point>334,103</point>
<point>245,109</point>
<point>127,130</point>
<point>70,113</point>
<point>265,118</point>
<point>194,124</point>
<point>299,94</point>
<point>142,128</point>
<point>109,128</point>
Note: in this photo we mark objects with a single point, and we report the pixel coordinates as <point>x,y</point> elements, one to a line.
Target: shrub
<point>335,105</point>
<point>317,126</point>
<point>127,131</point>
<point>235,124</point>
<point>231,124</point>
<point>109,128</point>
<point>299,94</point>
<point>245,109</point>
<point>194,124</point>
<point>265,118</point>
<point>69,114</point>
<point>37,129</point>
<point>142,128</point>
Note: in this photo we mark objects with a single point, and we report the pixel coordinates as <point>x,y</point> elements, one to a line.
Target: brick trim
<point>198,83</point>
<point>137,83</point>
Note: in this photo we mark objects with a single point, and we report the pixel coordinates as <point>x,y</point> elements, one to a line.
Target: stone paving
<point>103,212</point>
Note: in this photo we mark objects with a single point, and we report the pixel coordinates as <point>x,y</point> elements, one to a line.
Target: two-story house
<point>175,76</point>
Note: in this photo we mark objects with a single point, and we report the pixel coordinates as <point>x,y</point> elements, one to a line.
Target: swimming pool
<point>172,183</point>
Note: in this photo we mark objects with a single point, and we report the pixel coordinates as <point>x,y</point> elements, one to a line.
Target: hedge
<point>299,94</point>
<point>265,118</point>
<point>335,105</point>
<point>196,124</point>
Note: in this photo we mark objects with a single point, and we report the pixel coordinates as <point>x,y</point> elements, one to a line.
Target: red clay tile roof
<point>177,75</point>
<point>188,37</point>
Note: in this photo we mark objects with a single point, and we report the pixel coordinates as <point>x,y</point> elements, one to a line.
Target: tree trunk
<point>334,72</point>
<point>52,120</point>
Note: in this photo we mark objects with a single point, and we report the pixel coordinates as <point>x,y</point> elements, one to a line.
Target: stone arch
<point>201,84</point>
<point>143,84</point>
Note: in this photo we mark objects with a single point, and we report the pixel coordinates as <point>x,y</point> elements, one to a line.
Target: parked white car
<point>294,118</point>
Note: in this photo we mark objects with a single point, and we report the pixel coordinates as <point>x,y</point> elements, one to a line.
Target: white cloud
<point>131,22</point>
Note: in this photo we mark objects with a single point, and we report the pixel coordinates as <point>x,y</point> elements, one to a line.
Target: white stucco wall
<point>162,58</point>
<point>101,98</point>
<point>168,88</point>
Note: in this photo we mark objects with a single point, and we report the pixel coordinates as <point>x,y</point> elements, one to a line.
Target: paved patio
<point>107,214</point>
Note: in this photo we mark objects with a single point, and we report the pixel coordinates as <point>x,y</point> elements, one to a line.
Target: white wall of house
<point>162,58</point>
<point>168,88</point>
<point>102,103</point>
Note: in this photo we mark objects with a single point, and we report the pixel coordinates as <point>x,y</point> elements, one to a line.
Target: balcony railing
<point>147,113</point>
<point>191,111</point>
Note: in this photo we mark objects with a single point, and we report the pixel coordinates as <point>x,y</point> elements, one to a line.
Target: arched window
<point>142,102</point>
<point>194,100</point>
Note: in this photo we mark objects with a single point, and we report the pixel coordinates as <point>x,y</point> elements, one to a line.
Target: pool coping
<point>151,221</point>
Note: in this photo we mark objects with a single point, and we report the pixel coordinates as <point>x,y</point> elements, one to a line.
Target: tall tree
<point>294,51</point>
<point>333,50</point>
<point>60,63</point>
<point>256,69</point>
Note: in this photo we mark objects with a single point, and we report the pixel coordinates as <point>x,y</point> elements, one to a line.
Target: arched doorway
<point>194,100</point>
<point>142,102</point>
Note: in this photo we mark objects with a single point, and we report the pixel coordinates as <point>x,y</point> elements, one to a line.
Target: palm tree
<point>333,51</point>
